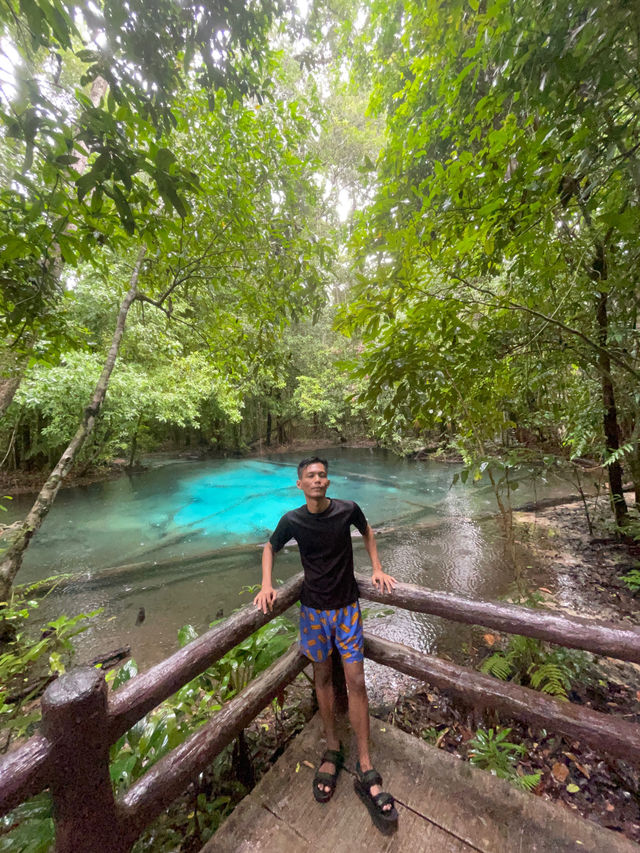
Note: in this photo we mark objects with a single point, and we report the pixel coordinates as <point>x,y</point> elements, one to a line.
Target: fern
<point>528,661</point>
<point>497,665</point>
<point>632,580</point>
<point>490,750</point>
<point>527,782</point>
<point>552,678</point>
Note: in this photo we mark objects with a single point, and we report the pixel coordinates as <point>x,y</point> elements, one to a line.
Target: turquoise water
<point>216,514</point>
<point>186,508</point>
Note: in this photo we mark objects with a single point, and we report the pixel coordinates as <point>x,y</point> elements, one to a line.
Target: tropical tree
<point>504,228</point>
<point>242,224</point>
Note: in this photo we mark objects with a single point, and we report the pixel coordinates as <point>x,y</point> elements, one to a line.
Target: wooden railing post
<point>74,721</point>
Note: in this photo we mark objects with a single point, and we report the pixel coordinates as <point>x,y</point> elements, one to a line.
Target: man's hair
<point>311,461</point>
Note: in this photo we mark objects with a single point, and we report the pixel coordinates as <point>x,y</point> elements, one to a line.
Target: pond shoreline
<point>30,482</point>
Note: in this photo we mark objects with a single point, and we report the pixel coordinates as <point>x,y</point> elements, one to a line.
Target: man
<point>330,611</point>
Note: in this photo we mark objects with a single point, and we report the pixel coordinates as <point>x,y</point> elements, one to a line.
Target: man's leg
<point>322,674</point>
<point>359,716</point>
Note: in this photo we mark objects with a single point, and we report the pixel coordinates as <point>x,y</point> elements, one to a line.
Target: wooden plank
<point>444,804</point>
<point>281,814</point>
<point>169,777</point>
<point>144,692</point>
<point>602,638</point>
<point>604,731</point>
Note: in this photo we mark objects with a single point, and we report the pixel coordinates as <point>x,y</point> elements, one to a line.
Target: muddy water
<point>187,538</point>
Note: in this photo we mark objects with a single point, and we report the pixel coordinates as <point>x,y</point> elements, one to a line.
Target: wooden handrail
<point>43,760</point>
<point>139,695</point>
<point>601,638</point>
<point>604,731</point>
<point>25,772</point>
<point>169,777</point>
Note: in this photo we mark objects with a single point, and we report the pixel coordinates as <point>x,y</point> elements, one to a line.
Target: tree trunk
<point>269,424</point>
<point>610,414</point>
<point>13,556</point>
<point>134,443</point>
<point>11,372</point>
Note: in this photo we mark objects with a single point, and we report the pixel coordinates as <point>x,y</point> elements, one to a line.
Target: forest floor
<point>578,574</point>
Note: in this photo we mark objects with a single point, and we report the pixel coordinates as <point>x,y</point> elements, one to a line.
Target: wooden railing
<point>607,732</point>
<point>80,721</point>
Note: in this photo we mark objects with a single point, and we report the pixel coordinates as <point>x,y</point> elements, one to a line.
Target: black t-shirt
<point>324,540</point>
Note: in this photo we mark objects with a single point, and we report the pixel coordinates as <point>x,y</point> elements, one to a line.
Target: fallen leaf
<point>489,639</point>
<point>298,767</point>
<point>638,695</point>
<point>544,589</point>
<point>559,771</point>
<point>572,789</point>
<point>585,772</point>
<point>309,765</point>
<point>610,807</point>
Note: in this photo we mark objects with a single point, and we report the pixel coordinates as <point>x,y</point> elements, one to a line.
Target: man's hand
<point>265,598</point>
<point>382,581</point>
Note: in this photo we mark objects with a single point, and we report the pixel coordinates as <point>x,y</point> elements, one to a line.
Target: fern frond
<point>551,678</point>
<point>497,665</point>
<point>527,782</point>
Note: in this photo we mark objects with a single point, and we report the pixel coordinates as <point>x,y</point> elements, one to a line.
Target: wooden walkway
<point>445,806</point>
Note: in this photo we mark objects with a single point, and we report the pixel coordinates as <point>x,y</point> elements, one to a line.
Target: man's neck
<point>318,505</point>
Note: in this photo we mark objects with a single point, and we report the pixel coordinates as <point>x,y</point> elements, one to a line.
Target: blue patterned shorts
<point>319,627</point>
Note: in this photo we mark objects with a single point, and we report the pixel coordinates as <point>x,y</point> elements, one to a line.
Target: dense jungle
<point>246,231</point>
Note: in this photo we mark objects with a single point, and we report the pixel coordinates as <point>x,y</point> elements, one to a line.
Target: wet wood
<point>74,718</point>
<point>601,638</point>
<point>111,659</point>
<point>605,732</point>
<point>444,805</point>
<point>169,777</point>
<point>139,695</point>
<point>24,772</point>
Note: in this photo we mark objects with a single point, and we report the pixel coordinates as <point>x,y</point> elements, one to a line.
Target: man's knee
<point>354,675</point>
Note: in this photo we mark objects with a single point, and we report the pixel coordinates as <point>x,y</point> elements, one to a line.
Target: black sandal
<point>336,757</point>
<point>385,821</point>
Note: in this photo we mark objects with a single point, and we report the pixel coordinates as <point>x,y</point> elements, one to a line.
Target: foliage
<point>95,162</point>
<point>27,662</point>
<point>490,750</point>
<point>632,580</point>
<point>29,827</point>
<point>530,662</point>
<point>172,722</point>
<point>493,285</point>
<point>167,726</point>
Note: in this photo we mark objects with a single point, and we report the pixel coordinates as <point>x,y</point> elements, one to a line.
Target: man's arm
<point>267,595</point>
<point>383,581</point>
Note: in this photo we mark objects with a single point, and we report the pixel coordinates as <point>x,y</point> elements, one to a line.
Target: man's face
<point>314,481</point>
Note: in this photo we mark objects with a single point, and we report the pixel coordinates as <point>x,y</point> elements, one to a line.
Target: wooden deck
<point>445,806</point>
